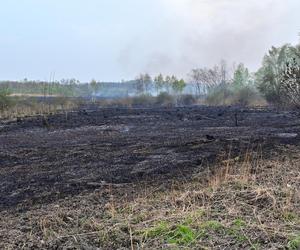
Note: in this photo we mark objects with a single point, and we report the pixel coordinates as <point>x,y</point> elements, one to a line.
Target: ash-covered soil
<point>45,159</point>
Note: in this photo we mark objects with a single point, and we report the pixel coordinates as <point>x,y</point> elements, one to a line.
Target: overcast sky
<point>118,39</point>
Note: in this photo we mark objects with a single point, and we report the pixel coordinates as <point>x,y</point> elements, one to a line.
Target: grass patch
<point>290,217</point>
<point>182,235</point>
<point>176,234</point>
<point>294,244</point>
<point>212,225</point>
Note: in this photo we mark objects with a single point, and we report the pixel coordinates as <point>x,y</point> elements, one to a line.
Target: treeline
<point>143,84</point>
<point>277,81</point>
<point>170,84</point>
<point>41,87</point>
<point>65,87</point>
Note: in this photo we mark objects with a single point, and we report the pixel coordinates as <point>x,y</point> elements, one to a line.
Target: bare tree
<point>208,78</point>
<point>147,82</point>
<point>139,84</point>
<point>290,84</point>
<point>143,83</point>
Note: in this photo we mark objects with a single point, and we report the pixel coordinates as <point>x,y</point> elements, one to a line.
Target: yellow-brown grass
<point>245,202</point>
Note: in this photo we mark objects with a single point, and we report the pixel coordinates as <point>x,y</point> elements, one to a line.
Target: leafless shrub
<point>290,84</point>
<point>165,99</point>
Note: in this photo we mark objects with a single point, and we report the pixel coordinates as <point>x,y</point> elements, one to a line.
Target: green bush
<point>274,75</point>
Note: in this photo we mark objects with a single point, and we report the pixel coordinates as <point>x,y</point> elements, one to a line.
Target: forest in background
<point>276,82</point>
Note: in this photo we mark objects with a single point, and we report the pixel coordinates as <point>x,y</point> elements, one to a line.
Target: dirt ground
<point>66,160</point>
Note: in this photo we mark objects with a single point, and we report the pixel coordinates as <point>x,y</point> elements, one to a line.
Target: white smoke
<point>197,33</point>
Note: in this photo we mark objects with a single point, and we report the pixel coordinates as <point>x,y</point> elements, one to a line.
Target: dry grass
<point>30,106</point>
<point>162,100</point>
<point>241,203</point>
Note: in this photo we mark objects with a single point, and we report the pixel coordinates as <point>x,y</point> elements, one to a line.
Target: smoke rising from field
<point>110,40</point>
<point>198,33</point>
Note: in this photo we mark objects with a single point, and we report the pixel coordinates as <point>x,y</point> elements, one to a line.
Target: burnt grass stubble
<point>48,160</point>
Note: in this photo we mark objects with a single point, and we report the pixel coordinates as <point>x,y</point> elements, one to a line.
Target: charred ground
<point>47,160</point>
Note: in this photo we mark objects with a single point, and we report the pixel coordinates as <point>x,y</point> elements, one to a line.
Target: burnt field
<point>59,159</point>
